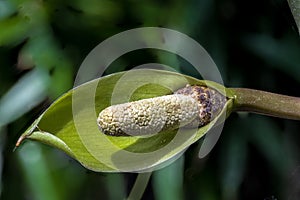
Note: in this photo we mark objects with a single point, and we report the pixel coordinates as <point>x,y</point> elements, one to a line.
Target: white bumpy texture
<point>191,106</point>
<point>148,116</point>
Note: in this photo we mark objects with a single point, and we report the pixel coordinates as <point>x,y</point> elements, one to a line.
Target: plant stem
<point>266,103</point>
<point>295,8</point>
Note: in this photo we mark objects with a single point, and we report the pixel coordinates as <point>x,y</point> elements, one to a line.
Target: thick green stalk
<point>266,103</point>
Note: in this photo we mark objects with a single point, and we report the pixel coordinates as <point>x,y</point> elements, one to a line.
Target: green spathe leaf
<point>70,122</point>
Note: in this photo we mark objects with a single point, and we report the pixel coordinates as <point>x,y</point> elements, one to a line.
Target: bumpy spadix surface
<point>191,106</point>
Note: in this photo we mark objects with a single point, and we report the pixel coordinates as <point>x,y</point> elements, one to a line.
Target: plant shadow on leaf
<point>70,122</point>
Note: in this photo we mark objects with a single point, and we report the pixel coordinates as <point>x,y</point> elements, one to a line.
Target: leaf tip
<point>20,140</point>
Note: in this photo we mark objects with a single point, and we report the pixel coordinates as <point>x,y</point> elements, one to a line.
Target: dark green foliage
<point>255,44</point>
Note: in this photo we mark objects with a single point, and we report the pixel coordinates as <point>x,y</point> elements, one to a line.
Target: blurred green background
<point>255,44</point>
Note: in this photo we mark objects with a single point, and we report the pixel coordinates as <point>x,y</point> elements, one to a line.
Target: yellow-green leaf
<point>70,122</point>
